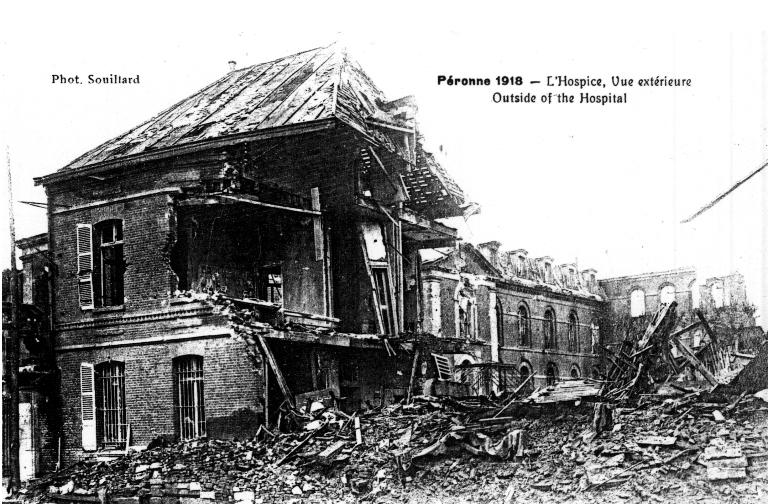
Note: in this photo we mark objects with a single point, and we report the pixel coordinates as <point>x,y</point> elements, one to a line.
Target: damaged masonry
<point>254,296</point>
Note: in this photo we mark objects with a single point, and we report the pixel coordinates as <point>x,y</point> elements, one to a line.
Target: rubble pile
<point>690,446</point>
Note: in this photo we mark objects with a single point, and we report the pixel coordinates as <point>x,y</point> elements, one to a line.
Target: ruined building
<point>520,315</point>
<point>723,300</point>
<point>37,378</point>
<point>248,247</point>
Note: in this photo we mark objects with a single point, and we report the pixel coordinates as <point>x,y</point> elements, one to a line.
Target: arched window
<point>695,294</point>
<point>111,422</point>
<point>637,303</point>
<point>525,372</point>
<point>595,373</point>
<point>667,294</point>
<point>500,322</point>
<point>594,331</point>
<point>575,372</point>
<point>573,332</point>
<point>550,331</point>
<point>552,374</point>
<point>188,396</point>
<point>524,325</point>
<point>718,294</point>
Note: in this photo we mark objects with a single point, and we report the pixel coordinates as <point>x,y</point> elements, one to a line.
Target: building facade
<point>250,247</point>
<point>530,314</point>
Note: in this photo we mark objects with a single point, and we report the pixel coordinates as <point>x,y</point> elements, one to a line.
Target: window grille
<point>188,395</point>
<point>110,401</point>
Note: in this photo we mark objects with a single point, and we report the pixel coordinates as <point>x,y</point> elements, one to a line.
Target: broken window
<point>376,258</point>
<point>637,303</point>
<point>575,372</point>
<point>111,423</point>
<point>718,294</point>
<point>573,332</point>
<point>667,294</point>
<point>271,284</point>
<point>188,396</point>
<point>381,278</point>
<point>108,249</point>
<point>524,325</point>
<point>695,296</point>
<point>550,334</point>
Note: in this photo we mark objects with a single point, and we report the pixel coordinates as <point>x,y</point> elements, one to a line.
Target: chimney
<point>232,65</point>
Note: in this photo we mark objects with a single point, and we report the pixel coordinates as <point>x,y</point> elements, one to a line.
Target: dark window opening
<point>110,262</point>
<point>188,396</point>
<point>573,333</point>
<point>271,284</point>
<point>524,326</point>
<point>111,423</point>
<point>550,334</point>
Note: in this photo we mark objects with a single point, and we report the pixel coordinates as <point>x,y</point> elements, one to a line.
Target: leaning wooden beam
<point>514,395</point>
<point>413,375</point>
<point>685,330</point>
<point>703,321</point>
<point>278,374</point>
<point>688,354</point>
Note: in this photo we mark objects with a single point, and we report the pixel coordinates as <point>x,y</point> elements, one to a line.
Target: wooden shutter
<point>444,367</point>
<point>88,405</point>
<point>85,265</point>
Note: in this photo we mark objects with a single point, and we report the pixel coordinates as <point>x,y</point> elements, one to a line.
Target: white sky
<point>606,186</point>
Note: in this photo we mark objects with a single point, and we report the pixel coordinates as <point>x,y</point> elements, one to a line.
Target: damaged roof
<point>310,86</point>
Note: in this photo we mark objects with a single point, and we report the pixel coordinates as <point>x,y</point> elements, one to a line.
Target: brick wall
<point>231,383</point>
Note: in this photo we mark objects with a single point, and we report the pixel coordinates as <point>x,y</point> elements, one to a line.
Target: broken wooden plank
<point>301,445</point>
<point>325,455</point>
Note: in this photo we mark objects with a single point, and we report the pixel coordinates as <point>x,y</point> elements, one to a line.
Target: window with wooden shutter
<point>85,265</point>
<point>88,406</point>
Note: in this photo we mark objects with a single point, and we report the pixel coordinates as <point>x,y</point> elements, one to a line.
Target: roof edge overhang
<point>268,133</point>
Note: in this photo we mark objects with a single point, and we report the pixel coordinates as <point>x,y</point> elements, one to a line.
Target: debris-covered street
<point>698,446</point>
